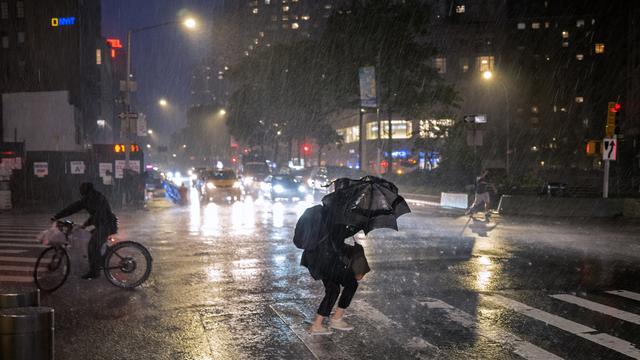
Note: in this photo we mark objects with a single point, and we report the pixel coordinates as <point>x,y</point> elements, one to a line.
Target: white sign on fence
<point>77,167</point>
<point>41,169</point>
<point>103,167</point>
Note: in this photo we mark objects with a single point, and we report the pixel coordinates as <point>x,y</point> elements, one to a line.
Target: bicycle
<point>125,264</point>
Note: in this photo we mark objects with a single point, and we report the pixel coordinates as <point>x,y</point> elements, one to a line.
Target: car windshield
<point>221,175</point>
<point>285,180</point>
<point>253,169</point>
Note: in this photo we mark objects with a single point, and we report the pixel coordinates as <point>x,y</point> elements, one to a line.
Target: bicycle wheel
<point>52,269</point>
<point>127,264</point>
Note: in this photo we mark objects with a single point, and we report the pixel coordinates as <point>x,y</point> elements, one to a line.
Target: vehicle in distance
<point>321,178</point>
<point>220,186</point>
<point>254,175</point>
<point>286,187</point>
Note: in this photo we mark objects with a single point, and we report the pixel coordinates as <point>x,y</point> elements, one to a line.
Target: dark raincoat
<point>99,210</point>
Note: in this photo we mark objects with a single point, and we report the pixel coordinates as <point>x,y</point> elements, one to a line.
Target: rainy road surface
<point>226,284</point>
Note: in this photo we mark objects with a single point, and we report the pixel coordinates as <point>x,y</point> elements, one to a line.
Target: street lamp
<point>150,132</point>
<point>488,76</point>
<point>222,112</point>
<point>190,24</point>
<point>163,102</point>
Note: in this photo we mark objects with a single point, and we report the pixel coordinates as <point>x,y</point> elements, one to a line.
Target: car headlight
<point>310,182</point>
<point>237,185</point>
<point>264,186</point>
<point>210,186</point>
<point>248,181</point>
<point>302,189</point>
<point>278,189</point>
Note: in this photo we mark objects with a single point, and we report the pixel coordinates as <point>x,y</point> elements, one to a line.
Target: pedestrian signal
<point>120,148</point>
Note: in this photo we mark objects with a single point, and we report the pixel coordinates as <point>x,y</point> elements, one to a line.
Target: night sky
<point>162,58</point>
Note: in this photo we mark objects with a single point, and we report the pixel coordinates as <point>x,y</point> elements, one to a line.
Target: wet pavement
<point>226,284</point>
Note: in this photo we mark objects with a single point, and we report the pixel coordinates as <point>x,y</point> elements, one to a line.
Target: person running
<point>101,217</point>
<point>483,186</point>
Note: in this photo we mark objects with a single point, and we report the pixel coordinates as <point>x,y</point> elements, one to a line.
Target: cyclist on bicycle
<point>101,217</point>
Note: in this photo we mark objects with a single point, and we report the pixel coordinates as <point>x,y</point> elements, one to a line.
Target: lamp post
<point>189,23</point>
<point>488,76</point>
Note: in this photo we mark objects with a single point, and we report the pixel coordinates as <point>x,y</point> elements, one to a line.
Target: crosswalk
<point>552,326</point>
<point>19,249</point>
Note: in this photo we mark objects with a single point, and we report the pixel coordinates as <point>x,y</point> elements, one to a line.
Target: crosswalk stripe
<point>625,293</point>
<point>585,332</point>
<point>26,240</point>
<point>22,245</point>
<point>21,259</point>
<point>604,309</point>
<point>520,347</point>
<point>16,278</point>
<point>17,268</point>
<point>12,251</point>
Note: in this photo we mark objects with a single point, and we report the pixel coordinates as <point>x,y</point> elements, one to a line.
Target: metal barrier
<point>26,333</point>
<point>11,297</point>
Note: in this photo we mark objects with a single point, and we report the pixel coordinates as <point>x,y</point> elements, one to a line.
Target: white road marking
<point>20,268</point>
<point>22,245</point>
<point>625,293</point>
<point>16,278</point>
<point>604,309</point>
<point>22,259</point>
<point>585,332</point>
<point>491,332</point>
<point>19,239</point>
<point>11,251</point>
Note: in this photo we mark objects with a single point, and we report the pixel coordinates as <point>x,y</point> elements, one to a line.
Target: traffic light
<point>591,147</point>
<point>306,148</point>
<point>613,113</point>
<point>234,160</point>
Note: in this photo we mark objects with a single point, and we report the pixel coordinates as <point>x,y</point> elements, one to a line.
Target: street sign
<point>475,119</point>
<point>367,77</point>
<point>142,125</point>
<point>41,169</point>
<point>609,149</point>
<point>77,167</point>
<point>129,115</point>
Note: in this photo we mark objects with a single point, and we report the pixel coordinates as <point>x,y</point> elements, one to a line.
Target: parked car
<point>286,187</point>
<point>220,186</point>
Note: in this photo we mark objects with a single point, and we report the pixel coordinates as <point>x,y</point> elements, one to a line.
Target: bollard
<point>26,333</point>
<point>11,297</point>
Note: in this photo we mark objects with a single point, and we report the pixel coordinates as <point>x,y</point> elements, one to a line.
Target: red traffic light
<point>614,107</point>
<point>234,159</point>
<point>306,148</point>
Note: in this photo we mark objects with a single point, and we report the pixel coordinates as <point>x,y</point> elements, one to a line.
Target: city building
<point>51,50</point>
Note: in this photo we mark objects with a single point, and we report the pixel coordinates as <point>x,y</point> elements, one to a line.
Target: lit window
<point>254,10</point>
<point>460,9</point>
<point>522,26</point>
<point>4,10</point>
<point>350,134</point>
<point>534,109</point>
<point>579,57</point>
<point>400,129</point>
<point>440,63</point>
<point>255,41</point>
<point>285,17</point>
<point>5,41</point>
<point>295,26</point>
<point>535,25</point>
<point>547,24</point>
<point>599,48</point>
<point>20,36</point>
<point>98,56</point>
<point>579,99</point>
<point>565,44</point>
<point>20,9</point>
<point>565,34</point>
<point>485,63</point>
<point>305,17</point>
<point>267,2</point>
<point>580,23</point>
<point>464,64</point>
<point>285,8</point>
<point>328,7</point>
<point>261,33</point>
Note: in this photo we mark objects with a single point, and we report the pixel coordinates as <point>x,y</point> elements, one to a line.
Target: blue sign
<point>63,21</point>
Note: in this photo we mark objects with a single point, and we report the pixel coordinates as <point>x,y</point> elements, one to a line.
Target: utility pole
<point>362,151</point>
<point>127,100</point>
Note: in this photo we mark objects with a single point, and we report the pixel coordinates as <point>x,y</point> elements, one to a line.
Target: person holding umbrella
<point>355,205</point>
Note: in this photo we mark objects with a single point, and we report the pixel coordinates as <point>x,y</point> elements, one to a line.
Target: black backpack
<point>311,228</point>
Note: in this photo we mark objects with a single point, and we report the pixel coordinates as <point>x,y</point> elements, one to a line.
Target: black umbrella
<point>366,204</point>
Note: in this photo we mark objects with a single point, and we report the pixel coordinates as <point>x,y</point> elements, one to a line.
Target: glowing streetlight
<point>222,112</point>
<point>150,132</point>
<point>487,75</point>
<point>148,146</point>
<point>163,102</point>
<point>190,23</point>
